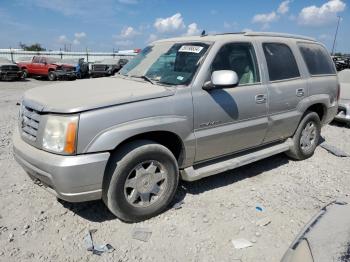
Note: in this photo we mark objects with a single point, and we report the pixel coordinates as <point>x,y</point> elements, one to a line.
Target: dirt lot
<point>34,226</point>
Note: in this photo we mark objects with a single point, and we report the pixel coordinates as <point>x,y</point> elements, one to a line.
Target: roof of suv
<point>237,36</point>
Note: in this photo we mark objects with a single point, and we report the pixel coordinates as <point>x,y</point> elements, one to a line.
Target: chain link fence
<point>90,57</point>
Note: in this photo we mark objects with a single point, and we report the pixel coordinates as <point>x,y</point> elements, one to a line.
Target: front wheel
<point>25,73</point>
<point>306,138</point>
<point>140,181</point>
<point>51,76</point>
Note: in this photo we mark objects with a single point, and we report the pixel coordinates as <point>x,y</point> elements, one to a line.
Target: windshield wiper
<point>144,77</point>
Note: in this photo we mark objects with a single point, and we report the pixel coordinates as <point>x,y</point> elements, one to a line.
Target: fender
<point>110,138</point>
<point>323,99</point>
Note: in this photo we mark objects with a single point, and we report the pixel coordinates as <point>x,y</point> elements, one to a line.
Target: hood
<point>7,64</point>
<point>82,95</point>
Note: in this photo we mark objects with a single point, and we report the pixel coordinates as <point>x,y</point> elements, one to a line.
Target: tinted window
<point>317,59</point>
<point>36,59</point>
<point>280,61</point>
<point>239,57</point>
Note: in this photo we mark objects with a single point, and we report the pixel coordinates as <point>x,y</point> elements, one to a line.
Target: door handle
<point>300,92</point>
<point>260,99</point>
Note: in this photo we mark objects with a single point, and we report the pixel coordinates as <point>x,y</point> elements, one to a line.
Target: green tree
<point>32,47</point>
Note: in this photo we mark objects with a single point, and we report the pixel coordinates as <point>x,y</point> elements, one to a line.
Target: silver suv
<point>184,108</point>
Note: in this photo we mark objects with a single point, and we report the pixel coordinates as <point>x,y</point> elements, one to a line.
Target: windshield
<point>167,63</point>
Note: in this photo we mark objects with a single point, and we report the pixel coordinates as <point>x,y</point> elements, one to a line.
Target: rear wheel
<point>141,180</point>
<point>25,73</point>
<point>306,138</point>
<point>51,76</point>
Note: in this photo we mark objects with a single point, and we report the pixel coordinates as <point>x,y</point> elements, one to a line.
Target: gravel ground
<point>34,226</point>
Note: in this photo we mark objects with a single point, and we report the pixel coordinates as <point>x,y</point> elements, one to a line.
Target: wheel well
<point>51,69</point>
<point>319,109</point>
<point>23,68</point>
<point>165,138</point>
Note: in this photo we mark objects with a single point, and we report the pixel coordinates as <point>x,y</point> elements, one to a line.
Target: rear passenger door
<point>286,88</point>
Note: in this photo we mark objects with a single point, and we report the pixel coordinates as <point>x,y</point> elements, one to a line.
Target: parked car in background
<point>107,67</point>
<point>341,63</point>
<point>183,108</point>
<point>9,70</point>
<point>344,98</point>
<point>52,68</point>
<point>81,67</point>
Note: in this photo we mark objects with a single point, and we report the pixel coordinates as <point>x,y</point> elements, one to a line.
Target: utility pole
<point>336,33</point>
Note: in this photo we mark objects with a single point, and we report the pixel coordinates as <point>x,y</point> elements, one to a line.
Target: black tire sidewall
<point>53,78</point>
<point>310,117</point>
<point>116,200</point>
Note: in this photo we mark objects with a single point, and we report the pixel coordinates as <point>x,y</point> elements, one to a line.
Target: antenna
<point>335,36</point>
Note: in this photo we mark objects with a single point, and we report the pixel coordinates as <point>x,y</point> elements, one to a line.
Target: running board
<point>219,166</point>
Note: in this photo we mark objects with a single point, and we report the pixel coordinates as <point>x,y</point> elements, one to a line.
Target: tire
<point>306,137</point>
<point>52,76</point>
<point>135,200</point>
<point>25,73</point>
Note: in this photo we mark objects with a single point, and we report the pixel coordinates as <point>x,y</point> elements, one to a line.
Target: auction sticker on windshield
<point>191,49</point>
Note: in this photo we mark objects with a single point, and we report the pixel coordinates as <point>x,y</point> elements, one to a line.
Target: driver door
<point>228,120</point>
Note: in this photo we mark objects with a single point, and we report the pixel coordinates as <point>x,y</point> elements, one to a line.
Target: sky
<point>108,25</point>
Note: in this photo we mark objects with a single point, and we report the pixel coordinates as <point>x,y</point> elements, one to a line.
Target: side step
<point>219,166</point>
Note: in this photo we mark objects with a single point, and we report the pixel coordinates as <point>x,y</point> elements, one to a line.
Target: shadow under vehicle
<point>9,70</point>
<point>108,67</point>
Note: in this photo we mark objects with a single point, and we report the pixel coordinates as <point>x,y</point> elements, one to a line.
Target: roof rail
<point>279,35</point>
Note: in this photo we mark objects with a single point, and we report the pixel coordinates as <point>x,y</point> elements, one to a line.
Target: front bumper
<point>61,74</point>
<point>10,75</point>
<point>343,114</point>
<point>71,178</point>
<point>100,73</point>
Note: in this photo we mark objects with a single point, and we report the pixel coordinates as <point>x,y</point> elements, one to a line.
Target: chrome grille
<point>12,68</point>
<point>99,67</point>
<point>30,120</point>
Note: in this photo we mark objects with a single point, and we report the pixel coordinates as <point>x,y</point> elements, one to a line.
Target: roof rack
<point>271,34</point>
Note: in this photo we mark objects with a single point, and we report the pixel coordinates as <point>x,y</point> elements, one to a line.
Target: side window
<point>42,60</point>
<point>36,59</point>
<point>239,57</point>
<point>317,59</point>
<point>281,62</point>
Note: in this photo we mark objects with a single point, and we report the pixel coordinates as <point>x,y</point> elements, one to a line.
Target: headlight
<point>60,134</point>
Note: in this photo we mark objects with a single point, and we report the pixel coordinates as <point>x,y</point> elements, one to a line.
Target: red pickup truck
<point>49,67</point>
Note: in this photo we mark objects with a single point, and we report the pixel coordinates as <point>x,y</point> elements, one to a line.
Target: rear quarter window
<point>317,59</point>
<point>280,61</point>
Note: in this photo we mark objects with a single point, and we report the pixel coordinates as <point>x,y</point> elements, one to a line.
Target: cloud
<point>62,39</point>
<point>192,29</point>
<point>170,24</point>
<point>265,19</point>
<point>80,35</point>
<point>323,15</point>
<point>284,7</point>
<point>128,32</point>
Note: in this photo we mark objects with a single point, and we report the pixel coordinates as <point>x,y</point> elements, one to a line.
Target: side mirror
<point>222,79</point>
